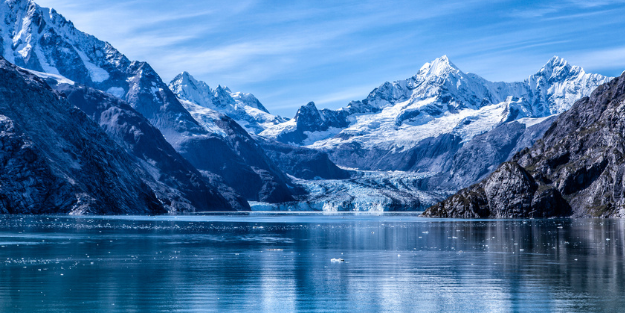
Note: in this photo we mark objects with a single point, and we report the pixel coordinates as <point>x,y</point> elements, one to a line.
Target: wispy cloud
<point>533,13</point>
<point>601,59</point>
<point>563,9</point>
<point>344,96</point>
<point>594,3</point>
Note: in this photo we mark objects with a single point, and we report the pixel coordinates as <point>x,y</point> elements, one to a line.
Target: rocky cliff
<point>576,169</point>
<point>54,159</point>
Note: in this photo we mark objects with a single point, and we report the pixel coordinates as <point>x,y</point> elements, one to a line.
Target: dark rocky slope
<point>479,157</point>
<point>181,187</point>
<point>576,169</point>
<point>302,162</point>
<point>54,159</point>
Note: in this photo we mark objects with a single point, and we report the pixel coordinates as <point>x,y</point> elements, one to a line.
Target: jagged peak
<point>309,107</point>
<point>555,62</point>
<point>308,112</point>
<point>186,74</point>
<point>185,78</point>
<point>182,77</point>
<point>557,66</point>
<point>438,67</point>
<point>221,89</point>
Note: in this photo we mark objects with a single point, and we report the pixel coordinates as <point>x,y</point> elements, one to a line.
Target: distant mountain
<point>54,159</point>
<point>244,108</point>
<point>380,131</point>
<point>576,169</point>
<point>247,111</point>
<point>42,40</point>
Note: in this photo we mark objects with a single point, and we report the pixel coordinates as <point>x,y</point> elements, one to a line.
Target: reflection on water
<point>281,263</point>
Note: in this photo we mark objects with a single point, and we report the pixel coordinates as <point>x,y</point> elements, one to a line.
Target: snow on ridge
<point>58,78</point>
<point>441,99</point>
<point>41,39</point>
<point>244,108</point>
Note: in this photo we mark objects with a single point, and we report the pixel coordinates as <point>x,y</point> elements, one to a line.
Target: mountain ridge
<point>244,108</point>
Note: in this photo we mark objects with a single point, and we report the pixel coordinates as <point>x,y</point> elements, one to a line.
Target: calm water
<point>282,263</point>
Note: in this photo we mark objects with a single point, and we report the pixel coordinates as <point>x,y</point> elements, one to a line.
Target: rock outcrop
<point>302,162</point>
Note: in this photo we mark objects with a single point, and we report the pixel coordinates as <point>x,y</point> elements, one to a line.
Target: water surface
<point>282,263</point>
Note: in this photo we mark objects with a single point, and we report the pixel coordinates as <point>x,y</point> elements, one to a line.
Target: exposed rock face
<point>240,162</point>
<point>579,164</point>
<point>40,39</point>
<point>181,187</point>
<point>302,162</point>
<point>54,159</point>
<point>484,153</point>
<point>509,192</point>
<point>308,120</point>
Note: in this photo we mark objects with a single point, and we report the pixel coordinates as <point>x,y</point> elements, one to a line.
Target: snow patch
<point>45,76</point>
<point>97,73</point>
<point>205,116</point>
<point>117,92</point>
<point>529,122</point>
<point>48,68</point>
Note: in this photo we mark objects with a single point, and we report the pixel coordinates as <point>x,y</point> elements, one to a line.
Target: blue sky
<point>290,52</point>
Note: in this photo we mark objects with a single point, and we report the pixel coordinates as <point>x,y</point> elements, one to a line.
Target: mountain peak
<point>438,67</point>
<point>556,61</point>
<point>222,90</point>
<point>558,67</point>
<point>184,77</point>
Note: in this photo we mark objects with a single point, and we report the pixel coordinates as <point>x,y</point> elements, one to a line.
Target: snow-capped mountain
<point>40,39</point>
<point>397,125</point>
<point>244,108</point>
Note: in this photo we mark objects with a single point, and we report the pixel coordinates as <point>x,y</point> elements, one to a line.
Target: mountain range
<point>189,147</point>
<point>454,127</point>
